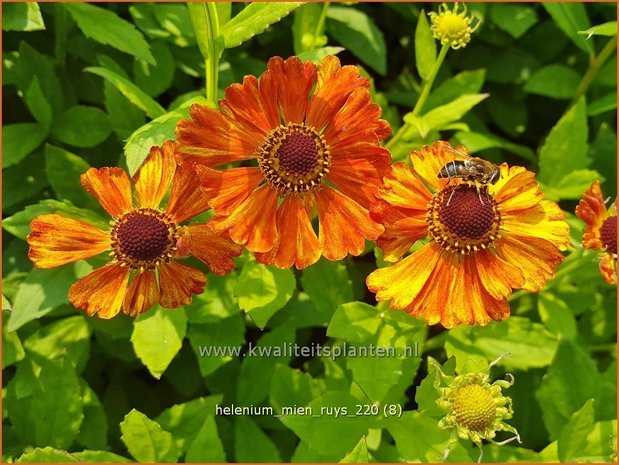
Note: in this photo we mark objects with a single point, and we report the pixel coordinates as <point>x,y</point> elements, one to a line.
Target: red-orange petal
<point>179,283</point>
<point>102,291</point>
<point>111,187</point>
<point>153,179</point>
<point>592,210</point>
<point>142,294</point>
<point>186,199</point>
<point>429,159</point>
<point>56,240</point>
<point>229,188</point>
<point>297,243</point>
<point>403,227</point>
<point>497,276</point>
<point>253,223</point>
<point>344,225</point>
<point>217,252</point>
<point>358,178</point>
<point>608,268</point>
<point>294,81</point>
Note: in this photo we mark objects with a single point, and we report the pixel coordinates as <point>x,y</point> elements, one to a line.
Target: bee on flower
<point>144,241</point>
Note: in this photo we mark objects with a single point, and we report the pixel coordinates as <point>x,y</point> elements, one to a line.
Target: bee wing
<point>458,153</point>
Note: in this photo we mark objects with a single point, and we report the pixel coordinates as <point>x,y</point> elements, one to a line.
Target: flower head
<point>483,241</point>
<point>143,240</point>
<point>308,138</point>
<point>451,27</point>
<point>600,229</point>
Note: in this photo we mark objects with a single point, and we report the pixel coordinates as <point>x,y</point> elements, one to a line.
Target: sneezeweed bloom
<point>451,27</point>
<point>476,409</point>
<point>600,229</point>
<point>481,244</point>
<point>309,139</point>
<point>144,240</point>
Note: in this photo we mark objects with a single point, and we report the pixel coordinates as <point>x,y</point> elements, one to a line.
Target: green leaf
<point>514,19</point>
<point>106,27</point>
<point>12,349</point>
<point>38,105</point>
<point>425,48</point>
<point>305,33</point>
<point>251,444</point>
<point>573,436</point>
<point>571,380</point>
<point>82,126</point>
<point>519,336</point>
<point>158,336</point>
<point>262,290</point>
<point>155,133</point>
<point>44,290</point>
<point>67,337</point>
<point>133,93</point>
<point>476,142</point>
<point>146,441</point>
<point>99,456</point>
<point>155,79</point>
<point>556,315</point>
<point>319,54</point>
<point>253,20</point>
<point>293,387</point>
<point>46,408</point>
<point>93,430</point>
<point>555,81</point>
<point>206,447</point>
<point>355,322</point>
<point>571,18</point>
<point>19,223</point>
<point>565,148</point>
<point>63,171</point>
<point>357,32</point>
<point>465,82</point>
<point>604,153</point>
<point>327,284</point>
<point>606,29</point>
<point>23,180</point>
<point>47,455</point>
<point>572,185</point>
<point>19,140</point>
<point>24,16</point>
<point>216,302</point>
<point>359,454</point>
<point>603,104</point>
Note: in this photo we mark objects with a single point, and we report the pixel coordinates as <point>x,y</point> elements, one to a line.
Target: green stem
<point>320,25</point>
<point>206,26</point>
<point>593,69</point>
<point>423,96</point>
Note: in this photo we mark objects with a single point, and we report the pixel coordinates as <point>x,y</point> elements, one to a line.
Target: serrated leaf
<point>81,126</point>
<point>158,336</point>
<point>251,444</point>
<point>555,81</point>
<point>22,16</point>
<point>572,185</point>
<point>425,47</point>
<point>573,436</point>
<point>206,446</point>
<point>47,455</point>
<point>19,140</point>
<point>262,290</point>
<point>106,27</point>
<point>254,19</point>
<point>358,33</point>
<point>565,148</point>
<point>146,441</point>
<point>571,18</point>
<point>99,456</point>
<point>606,29</point>
<point>359,454</point>
<point>135,95</point>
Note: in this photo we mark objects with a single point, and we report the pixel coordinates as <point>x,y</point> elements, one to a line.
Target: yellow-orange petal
<point>344,225</point>
<point>297,243</point>
<point>211,138</point>
<point>484,307</point>
<point>429,159</point>
<point>294,81</point>
<point>152,180</point>
<point>358,178</point>
<point>253,223</point>
<point>516,189</point>
<point>402,282</point>
<point>142,294</point>
<point>217,252</point>
<point>179,283</point>
<point>536,258</point>
<point>402,188</point>
<point>543,220</point>
<point>56,240</point>
<point>496,275</point>
<point>592,210</point>
<point>111,187</point>
<point>229,188</point>
<point>334,84</point>
<point>102,291</point>
<point>608,268</point>
<point>186,198</point>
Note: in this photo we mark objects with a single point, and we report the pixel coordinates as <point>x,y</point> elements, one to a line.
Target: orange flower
<point>142,240</point>
<point>482,244</point>
<point>314,135</point>
<point>600,229</point>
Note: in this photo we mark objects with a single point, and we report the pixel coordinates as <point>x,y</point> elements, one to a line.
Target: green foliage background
<point>96,85</point>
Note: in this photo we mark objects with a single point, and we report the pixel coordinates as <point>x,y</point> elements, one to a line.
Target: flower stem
<point>206,26</point>
<point>593,69</point>
<point>320,25</point>
<point>423,96</point>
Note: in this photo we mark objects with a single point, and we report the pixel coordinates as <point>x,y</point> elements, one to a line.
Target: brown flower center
<point>463,219</point>
<point>294,159</point>
<point>475,408</point>
<point>144,238</point>
<point>608,234</point>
